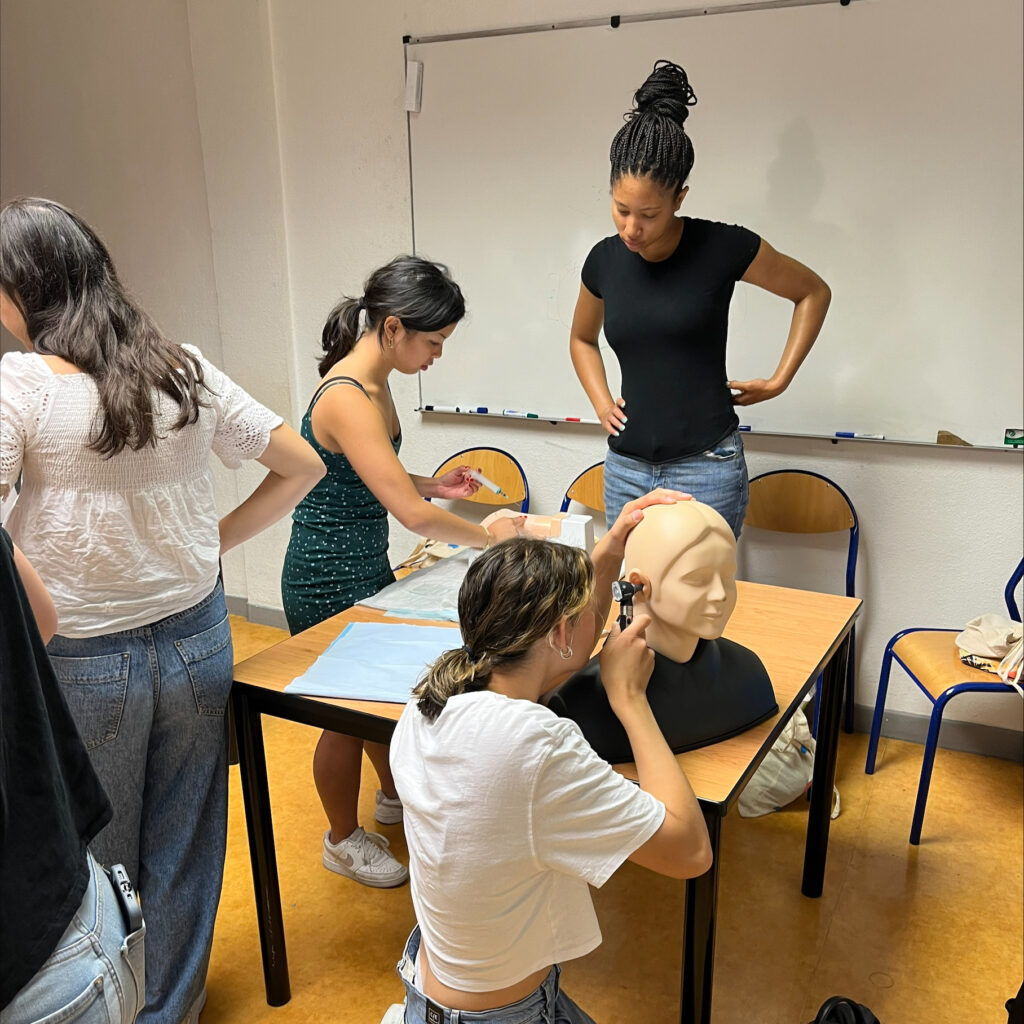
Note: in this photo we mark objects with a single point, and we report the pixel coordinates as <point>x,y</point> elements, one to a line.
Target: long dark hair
<point>653,141</point>
<point>420,293</point>
<point>513,594</point>
<point>58,273</point>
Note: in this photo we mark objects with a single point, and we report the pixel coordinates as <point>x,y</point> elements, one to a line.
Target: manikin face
<point>644,216</point>
<point>414,350</point>
<point>685,557</point>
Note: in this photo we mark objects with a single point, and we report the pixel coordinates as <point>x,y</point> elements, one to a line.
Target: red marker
<point>572,419</point>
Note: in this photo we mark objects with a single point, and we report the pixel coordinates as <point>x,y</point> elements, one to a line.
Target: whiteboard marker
<point>441,408</point>
<point>489,484</point>
<point>868,437</point>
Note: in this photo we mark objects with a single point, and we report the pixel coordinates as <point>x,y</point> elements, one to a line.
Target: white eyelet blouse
<point>124,541</point>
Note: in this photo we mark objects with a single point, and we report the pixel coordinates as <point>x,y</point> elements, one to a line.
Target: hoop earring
<point>565,653</point>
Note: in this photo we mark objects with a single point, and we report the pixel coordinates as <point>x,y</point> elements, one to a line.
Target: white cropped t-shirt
<point>124,541</point>
<point>509,816</point>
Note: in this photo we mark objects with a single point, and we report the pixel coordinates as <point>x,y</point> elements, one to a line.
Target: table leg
<point>699,933</point>
<point>820,815</point>
<point>252,764</point>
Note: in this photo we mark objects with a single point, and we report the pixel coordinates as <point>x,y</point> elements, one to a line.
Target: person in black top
<point>65,949</point>
<point>661,288</point>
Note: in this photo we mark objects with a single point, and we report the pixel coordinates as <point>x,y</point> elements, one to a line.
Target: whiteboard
<point>879,143</point>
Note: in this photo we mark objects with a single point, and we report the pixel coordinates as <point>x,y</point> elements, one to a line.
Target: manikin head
<point>685,557</point>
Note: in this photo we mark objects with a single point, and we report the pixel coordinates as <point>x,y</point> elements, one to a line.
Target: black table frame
<point>251,702</point>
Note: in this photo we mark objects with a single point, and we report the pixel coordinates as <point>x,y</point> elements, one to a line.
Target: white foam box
<point>562,528</point>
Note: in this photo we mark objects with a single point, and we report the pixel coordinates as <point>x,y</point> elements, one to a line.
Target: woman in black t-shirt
<point>661,288</point>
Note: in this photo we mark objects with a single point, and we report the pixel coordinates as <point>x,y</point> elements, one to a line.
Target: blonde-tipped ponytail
<point>513,595</point>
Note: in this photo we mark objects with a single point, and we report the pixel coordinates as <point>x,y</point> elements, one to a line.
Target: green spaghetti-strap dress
<point>338,551</point>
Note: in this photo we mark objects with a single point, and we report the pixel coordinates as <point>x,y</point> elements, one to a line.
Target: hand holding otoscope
<point>623,591</point>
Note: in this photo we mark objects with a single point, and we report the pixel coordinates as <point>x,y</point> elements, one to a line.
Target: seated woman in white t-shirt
<point>509,814</point>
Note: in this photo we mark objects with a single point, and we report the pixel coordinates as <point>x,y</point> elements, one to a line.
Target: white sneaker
<point>389,809</point>
<point>364,857</point>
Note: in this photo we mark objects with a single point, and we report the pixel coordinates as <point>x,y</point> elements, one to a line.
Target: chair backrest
<point>1011,585</point>
<point>499,467</point>
<point>799,501</point>
<point>587,489</point>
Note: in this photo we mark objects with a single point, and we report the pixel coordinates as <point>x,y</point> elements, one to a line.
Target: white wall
<point>296,108</point>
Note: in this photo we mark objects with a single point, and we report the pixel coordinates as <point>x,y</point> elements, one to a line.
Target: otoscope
<point>623,592</point>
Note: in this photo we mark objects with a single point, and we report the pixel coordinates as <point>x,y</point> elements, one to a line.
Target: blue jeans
<point>545,1005</point>
<point>149,703</point>
<point>717,477</point>
<point>96,973</point>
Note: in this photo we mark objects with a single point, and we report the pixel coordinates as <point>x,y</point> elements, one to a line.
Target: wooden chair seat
<point>931,656</point>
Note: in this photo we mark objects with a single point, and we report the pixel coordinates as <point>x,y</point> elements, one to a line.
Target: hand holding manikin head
<point>685,557</point>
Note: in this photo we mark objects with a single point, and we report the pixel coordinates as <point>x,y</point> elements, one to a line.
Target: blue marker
<point>743,426</point>
<point>868,437</point>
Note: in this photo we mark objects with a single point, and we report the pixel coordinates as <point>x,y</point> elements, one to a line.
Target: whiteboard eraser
<point>413,85</point>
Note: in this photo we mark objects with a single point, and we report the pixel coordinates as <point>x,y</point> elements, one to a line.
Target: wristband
<point>490,538</point>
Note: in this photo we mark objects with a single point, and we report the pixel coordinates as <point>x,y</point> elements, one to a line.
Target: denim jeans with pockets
<point>717,477</point>
<point>547,1004</point>
<point>95,975</point>
<point>150,705</point>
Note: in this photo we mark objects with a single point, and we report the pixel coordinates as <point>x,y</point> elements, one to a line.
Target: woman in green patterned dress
<point>338,552</point>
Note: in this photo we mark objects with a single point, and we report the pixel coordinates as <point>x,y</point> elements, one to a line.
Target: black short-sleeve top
<point>667,322</point>
<point>51,801</point>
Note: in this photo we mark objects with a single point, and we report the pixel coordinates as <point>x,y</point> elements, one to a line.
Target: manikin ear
<point>636,577</point>
<point>680,198</point>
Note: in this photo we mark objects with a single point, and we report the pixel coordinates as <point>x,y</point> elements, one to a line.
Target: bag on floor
<point>784,774</point>
<point>838,1010</point>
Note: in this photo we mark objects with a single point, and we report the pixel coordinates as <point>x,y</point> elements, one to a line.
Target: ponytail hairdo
<point>418,292</point>
<point>513,595</point>
<point>653,142</point>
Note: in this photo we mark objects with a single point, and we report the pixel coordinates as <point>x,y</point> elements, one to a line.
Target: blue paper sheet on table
<point>375,661</point>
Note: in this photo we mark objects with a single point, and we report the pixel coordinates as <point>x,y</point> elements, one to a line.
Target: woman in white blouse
<point>110,426</point>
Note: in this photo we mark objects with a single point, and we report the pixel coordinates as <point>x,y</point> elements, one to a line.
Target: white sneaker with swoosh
<point>364,857</point>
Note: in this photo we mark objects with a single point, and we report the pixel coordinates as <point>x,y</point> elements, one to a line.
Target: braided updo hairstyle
<point>513,595</point>
<point>653,141</point>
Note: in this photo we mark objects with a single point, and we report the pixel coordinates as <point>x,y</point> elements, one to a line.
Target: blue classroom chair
<point>799,501</point>
<point>930,658</point>
<point>499,467</point>
<point>587,489</point>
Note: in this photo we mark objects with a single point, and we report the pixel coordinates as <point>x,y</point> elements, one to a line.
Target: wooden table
<point>796,633</point>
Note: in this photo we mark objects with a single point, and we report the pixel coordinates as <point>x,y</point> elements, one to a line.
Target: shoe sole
<point>383,882</point>
<point>390,818</point>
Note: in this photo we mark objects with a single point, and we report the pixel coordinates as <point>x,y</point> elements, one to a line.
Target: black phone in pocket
<point>127,898</point>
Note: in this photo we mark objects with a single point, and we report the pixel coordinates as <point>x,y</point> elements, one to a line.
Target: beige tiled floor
<point>927,935</point>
